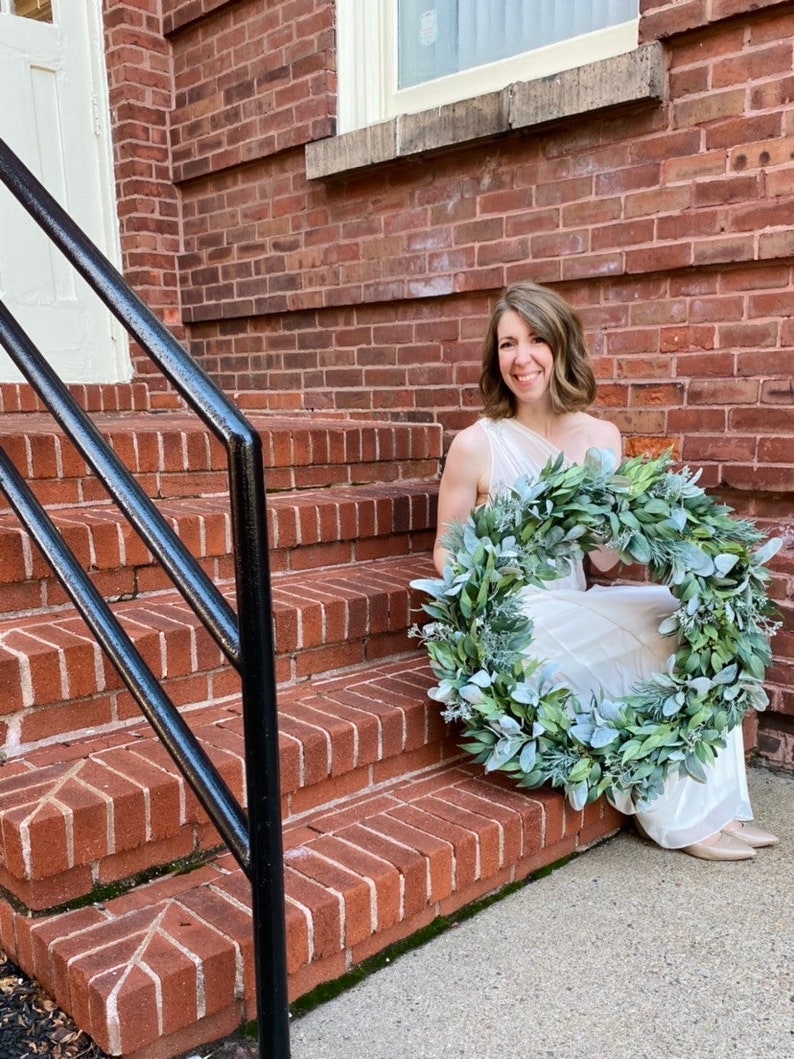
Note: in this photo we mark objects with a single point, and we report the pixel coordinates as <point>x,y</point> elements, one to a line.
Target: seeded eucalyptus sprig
<point>517,716</point>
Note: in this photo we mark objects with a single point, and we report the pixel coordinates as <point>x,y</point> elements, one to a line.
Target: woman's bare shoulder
<point>601,433</point>
<point>471,441</point>
<point>587,431</point>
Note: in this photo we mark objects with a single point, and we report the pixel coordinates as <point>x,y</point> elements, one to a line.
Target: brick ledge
<point>636,77</point>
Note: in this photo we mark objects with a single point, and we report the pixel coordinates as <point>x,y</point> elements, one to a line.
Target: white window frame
<point>366,38</point>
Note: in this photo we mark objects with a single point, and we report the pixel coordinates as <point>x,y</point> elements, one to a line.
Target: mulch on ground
<point>31,1023</point>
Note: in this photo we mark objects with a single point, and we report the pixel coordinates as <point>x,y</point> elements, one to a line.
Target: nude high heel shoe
<point>750,834</point>
<point>726,847</point>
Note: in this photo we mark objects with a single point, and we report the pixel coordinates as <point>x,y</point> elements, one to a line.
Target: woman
<point>536,383</point>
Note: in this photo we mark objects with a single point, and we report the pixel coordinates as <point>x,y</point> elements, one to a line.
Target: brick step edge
<point>20,397</point>
<point>174,454</point>
<point>306,530</point>
<point>55,679</point>
<point>94,811</point>
<point>169,966</point>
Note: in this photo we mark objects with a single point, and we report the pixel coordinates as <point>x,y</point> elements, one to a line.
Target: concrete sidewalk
<point>626,952</point>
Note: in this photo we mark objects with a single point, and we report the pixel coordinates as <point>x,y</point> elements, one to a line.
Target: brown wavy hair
<point>552,319</point>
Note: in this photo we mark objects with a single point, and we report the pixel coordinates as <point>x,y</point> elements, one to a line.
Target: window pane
<point>39,10</point>
<point>428,40</point>
<point>448,36</point>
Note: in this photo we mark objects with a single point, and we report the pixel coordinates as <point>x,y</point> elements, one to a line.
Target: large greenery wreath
<point>517,716</point>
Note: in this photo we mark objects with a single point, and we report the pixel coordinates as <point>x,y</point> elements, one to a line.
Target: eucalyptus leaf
<point>602,737</point>
<point>694,767</point>
<point>697,559</point>
<point>639,548</point>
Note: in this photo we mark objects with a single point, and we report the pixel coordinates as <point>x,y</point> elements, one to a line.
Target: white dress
<point>607,639</point>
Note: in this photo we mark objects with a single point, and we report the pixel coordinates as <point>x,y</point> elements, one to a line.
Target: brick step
<point>84,814</point>
<point>55,680</point>
<point>18,397</point>
<point>169,966</point>
<point>173,455</point>
<point>306,530</point>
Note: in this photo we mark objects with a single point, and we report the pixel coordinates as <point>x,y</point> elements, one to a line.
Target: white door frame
<point>60,127</point>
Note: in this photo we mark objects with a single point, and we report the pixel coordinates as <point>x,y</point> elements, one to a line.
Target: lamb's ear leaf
<point>767,551</point>
<point>527,757</point>
<point>725,562</point>
<point>577,794</point>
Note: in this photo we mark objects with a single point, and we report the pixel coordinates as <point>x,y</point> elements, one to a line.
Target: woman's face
<point>525,361</point>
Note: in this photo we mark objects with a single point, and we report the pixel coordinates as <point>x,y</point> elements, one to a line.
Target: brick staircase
<point>116,892</point>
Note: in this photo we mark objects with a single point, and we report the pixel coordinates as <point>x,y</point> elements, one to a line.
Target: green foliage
<point>516,717</point>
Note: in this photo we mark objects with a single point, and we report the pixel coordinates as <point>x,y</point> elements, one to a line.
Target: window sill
<point>636,77</point>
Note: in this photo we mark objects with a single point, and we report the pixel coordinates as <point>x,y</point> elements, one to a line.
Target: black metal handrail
<point>246,639</point>
<point>165,545</point>
<point>144,686</point>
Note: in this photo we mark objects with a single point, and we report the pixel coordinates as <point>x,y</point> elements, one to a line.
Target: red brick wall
<point>141,96</point>
<point>670,226</point>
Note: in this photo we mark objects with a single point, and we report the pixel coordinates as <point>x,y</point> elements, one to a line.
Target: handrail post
<point>262,769</point>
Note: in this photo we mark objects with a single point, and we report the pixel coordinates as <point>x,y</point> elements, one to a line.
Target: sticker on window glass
<point>428,27</point>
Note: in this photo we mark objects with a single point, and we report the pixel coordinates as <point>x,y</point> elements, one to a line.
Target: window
<point>38,10</point>
<point>403,56</point>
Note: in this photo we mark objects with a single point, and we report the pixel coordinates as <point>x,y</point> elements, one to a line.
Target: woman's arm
<point>463,485</point>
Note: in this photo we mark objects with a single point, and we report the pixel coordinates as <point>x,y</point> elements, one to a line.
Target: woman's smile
<point>527,377</point>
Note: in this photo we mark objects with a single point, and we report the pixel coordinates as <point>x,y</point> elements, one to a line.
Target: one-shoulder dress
<point>605,640</point>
